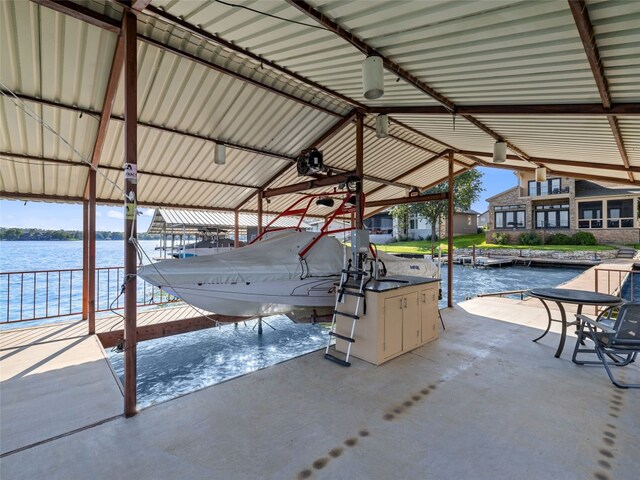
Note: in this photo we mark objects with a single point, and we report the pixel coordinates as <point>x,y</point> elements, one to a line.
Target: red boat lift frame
<point>301,207</point>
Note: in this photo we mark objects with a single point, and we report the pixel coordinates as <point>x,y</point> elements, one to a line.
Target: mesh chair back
<point>627,326</point>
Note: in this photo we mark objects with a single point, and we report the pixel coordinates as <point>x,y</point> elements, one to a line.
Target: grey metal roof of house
<point>194,221</point>
<point>588,188</point>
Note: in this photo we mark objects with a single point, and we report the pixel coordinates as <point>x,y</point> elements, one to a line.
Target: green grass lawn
<point>467,241</point>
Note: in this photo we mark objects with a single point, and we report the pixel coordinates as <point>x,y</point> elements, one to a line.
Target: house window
<point>552,216</point>
<point>509,216</point>
<point>413,222</point>
<point>620,213</point>
<point>549,187</point>
<point>590,215</point>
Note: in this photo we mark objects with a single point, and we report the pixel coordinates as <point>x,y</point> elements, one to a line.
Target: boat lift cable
<point>21,104</point>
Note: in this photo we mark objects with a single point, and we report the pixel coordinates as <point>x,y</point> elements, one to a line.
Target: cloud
<point>148,212</point>
<point>115,214</point>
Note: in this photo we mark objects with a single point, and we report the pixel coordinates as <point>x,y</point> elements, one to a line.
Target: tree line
<point>14,233</point>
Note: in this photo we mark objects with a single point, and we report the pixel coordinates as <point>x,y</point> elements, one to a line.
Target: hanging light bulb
<point>541,174</point>
<point>220,154</point>
<point>372,78</point>
<point>499,152</point>
<point>382,126</point>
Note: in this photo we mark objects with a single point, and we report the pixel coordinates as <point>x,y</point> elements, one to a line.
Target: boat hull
<point>259,298</point>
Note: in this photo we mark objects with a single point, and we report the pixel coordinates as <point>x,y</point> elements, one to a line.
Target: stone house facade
<point>566,205</point>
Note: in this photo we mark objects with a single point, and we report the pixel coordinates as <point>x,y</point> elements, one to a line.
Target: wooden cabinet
<point>429,321</point>
<point>397,319</point>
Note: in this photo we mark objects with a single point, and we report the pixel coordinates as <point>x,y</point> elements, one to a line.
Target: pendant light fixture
<point>382,126</point>
<point>541,174</point>
<point>372,78</point>
<point>499,152</point>
<point>220,154</point>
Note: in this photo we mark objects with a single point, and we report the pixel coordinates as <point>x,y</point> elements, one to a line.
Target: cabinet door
<point>410,322</point>
<point>429,313</point>
<point>392,343</point>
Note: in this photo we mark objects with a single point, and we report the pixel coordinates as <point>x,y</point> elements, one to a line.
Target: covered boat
<point>283,270</point>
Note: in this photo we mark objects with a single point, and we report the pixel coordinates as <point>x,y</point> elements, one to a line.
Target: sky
<point>63,216</point>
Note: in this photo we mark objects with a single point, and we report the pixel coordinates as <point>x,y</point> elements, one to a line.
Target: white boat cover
<point>274,258</point>
<point>417,267</point>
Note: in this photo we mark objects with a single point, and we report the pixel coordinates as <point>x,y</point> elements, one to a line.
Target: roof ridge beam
<point>361,45</point>
<point>587,36</point>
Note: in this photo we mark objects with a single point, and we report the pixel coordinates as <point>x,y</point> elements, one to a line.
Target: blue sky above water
<point>69,216</point>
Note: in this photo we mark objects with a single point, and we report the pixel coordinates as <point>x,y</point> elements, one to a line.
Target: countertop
<point>397,281</point>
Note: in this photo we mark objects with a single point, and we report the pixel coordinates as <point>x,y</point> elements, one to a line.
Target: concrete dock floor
<point>52,388</point>
<point>482,402</point>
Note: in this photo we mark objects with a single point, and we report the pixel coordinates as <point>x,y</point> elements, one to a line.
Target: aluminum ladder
<point>353,290</point>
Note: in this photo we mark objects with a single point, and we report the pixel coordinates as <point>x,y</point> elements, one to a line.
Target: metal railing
<point>43,294</point>
<point>501,294</point>
<point>623,276</point>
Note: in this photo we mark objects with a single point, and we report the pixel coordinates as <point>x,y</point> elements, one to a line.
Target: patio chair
<point>616,339</point>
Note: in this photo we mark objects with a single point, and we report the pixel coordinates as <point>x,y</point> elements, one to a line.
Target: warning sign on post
<point>130,211</point>
<point>131,172</point>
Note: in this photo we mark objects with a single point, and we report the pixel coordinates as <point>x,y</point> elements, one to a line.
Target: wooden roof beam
<point>119,170</point>
<point>412,170</point>
<point>390,202</point>
<point>107,106</point>
<point>524,168</point>
<point>76,11</point>
<point>556,161</point>
<point>85,111</point>
<point>587,36</point>
<point>326,136</point>
<point>160,13</point>
<point>308,185</point>
<point>590,109</point>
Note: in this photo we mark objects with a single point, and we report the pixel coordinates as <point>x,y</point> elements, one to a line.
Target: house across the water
<point>566,205</point>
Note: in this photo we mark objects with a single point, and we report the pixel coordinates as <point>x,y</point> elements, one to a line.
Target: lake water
<point>169,367</point>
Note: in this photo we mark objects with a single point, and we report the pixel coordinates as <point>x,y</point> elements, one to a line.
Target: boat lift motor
<point>359,247</point>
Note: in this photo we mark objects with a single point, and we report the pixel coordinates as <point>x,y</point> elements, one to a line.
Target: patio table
<point>573,297</point>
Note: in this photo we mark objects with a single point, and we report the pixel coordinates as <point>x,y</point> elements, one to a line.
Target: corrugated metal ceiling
<point>489,52</point>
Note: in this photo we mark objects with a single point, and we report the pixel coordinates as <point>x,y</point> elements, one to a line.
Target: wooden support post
<point>91,274</point>
<point>236,229</point>
<point>450,235</point>
<point>131,158</point>
<point>85,259</point>
<point>259,325</point>
<point>260,198</point>
<point>360,169</point>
